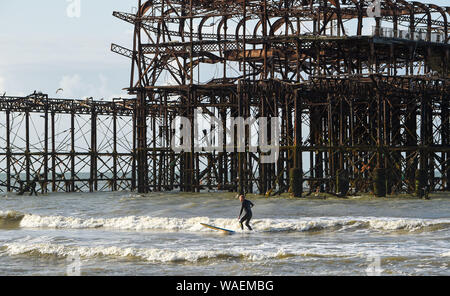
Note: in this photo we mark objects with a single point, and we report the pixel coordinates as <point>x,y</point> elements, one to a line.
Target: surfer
<point>247,207</point>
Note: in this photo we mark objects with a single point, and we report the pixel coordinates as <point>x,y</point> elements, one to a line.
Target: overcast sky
<point>43,48</point>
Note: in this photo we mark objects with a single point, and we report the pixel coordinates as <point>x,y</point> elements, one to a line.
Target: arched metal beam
<point>394,13</point>
<point>427,12</point>
<point>278,24</point>
<point>410,8</point>
<point>145,7</point>
<point>222,22</point>
<point>444,16</point>
<point>200,26</point>
<point>239,25</point>
<point>255,29</point>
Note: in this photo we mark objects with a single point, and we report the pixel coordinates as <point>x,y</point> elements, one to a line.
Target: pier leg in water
<point>296,182</point>
<point>342,184</point>
<point>421,189</point>
<point>379,182</point>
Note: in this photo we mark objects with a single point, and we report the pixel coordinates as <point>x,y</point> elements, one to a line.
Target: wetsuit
<point>247,207</point>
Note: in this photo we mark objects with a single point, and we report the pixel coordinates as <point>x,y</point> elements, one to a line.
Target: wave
<point>10,219</point>
<point>153,254</point>
<point>143,223</point>
<point>139,223</point>
<point>410,225</point>
<point>11,215</point>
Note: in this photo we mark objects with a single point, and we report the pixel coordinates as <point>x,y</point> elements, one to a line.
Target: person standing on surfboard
<point>247,207</point>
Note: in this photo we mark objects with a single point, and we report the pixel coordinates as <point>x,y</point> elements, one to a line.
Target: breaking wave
<point>11,215</point>
<point>152,254</point>
<point>10,219</point>
<point>142,223</point>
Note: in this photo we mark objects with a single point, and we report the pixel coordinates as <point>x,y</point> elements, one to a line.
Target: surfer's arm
<point>240,213</point>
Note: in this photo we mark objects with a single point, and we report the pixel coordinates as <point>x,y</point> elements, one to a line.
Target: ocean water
<point>160,234</point>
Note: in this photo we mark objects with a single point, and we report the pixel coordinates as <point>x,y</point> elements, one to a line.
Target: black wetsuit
<point>247,207</point>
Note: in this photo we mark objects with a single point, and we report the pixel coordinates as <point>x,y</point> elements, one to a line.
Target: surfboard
<point>227,231</point>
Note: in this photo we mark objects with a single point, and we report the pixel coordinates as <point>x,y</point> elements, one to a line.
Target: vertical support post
<point>330,123</point>
<point>411,140</point>
<point>54,187</point>
<point>114,155</point>
<point>445,165</point>
<point>8,151</point>
<point>220,154</point>
<point>94,154</point>
<point>262,166</point>
<point>396,141</point>
<point>72,151</point>
<point>223,156</point>
<point>154,181</point>
<point>296,173</point>
<point>379,186</point>
<point>342,184</point>
<point>424,171</point>
<point>172,158</point>
<point>134,149</point>
<point>44,186</point>
<point>316,157</point>
<point>377,26</point>
<point>386,143</point>
<point>27,146</point>
<point>189,156</point>
<point>264,29</point>
<point>141,149</point>
<point>240,155</point>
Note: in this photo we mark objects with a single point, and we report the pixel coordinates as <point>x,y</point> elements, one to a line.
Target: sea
<point>160,234</point>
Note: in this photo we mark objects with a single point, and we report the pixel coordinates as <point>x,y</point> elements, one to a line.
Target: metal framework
<point>363,102</point>
<point>65,145</point>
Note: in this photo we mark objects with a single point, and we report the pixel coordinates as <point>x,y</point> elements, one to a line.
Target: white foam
<point>121,223</point>
<point>402,224</point>
<point>151,254</point>
<point>139,223</point>
<point>10,214</point>
<point>176,224</point>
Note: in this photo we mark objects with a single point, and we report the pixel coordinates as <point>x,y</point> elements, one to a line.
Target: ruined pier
<point>361,95</point>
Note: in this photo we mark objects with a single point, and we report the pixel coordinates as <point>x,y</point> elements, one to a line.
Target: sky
<point>51,44</point>
<point>46,46</point>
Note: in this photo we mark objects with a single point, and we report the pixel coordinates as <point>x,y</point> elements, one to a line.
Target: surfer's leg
<point>247,222</point>
<point>244,219</point>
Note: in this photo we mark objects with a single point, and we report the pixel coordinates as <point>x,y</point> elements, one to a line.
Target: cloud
<point>71,84</point>
<point>76,86</point>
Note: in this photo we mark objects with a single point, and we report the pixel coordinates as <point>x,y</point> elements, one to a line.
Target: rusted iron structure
<point>361,110</point>
<point>65,145</point>
<point>363,102</point>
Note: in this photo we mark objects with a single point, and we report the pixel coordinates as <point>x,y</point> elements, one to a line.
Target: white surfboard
<point>227,231</point>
